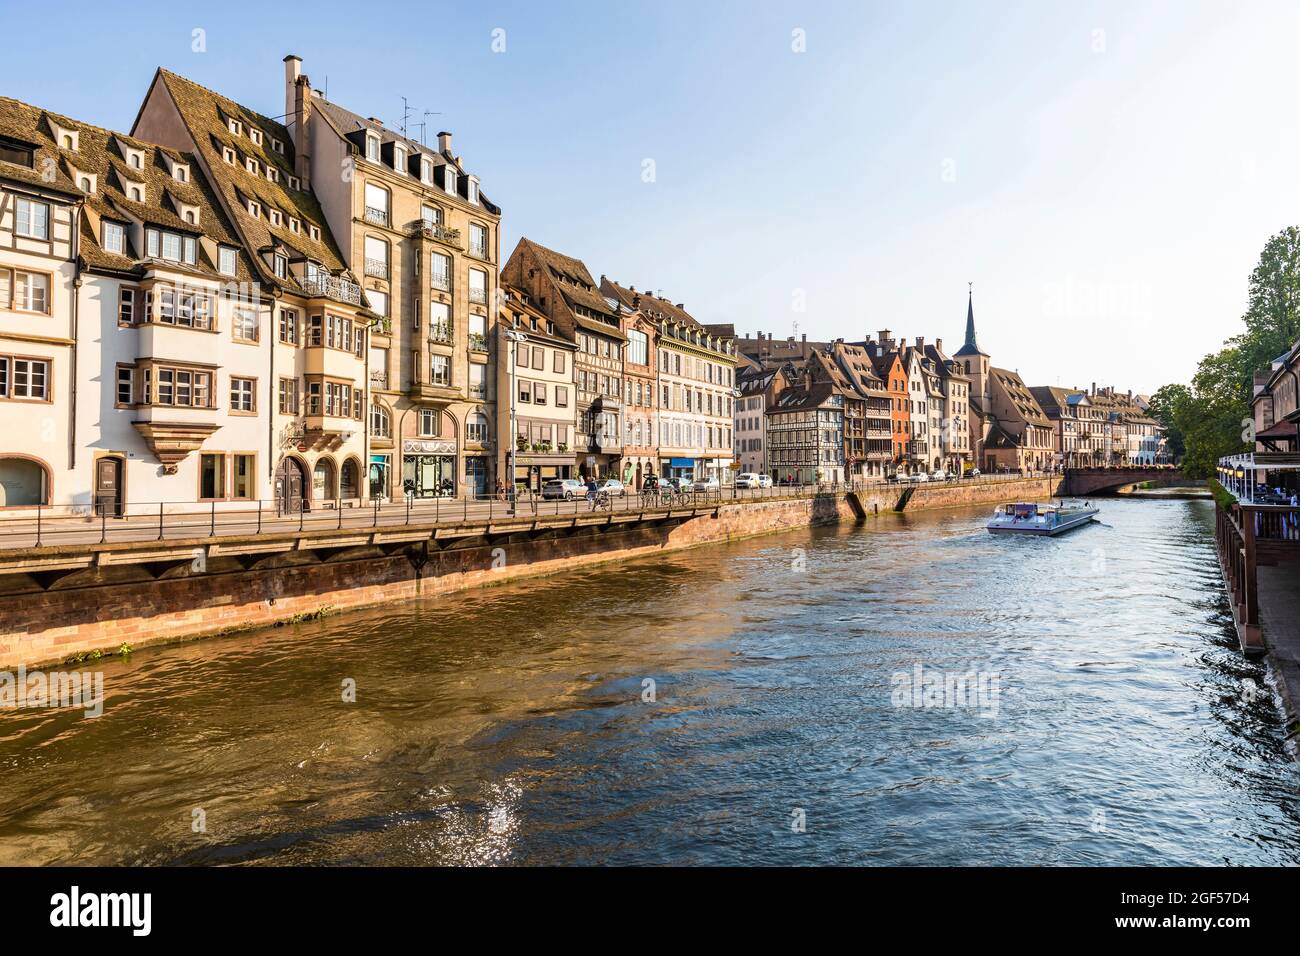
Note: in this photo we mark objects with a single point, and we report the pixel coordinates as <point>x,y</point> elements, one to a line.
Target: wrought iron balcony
<point>377,268</point>
<point>478,295</point>
<point>333,287</point>
<point>378,216</point>
<point>441,332</point>
<point>477,342</point>
<point>433,230</point>
<point>440,280</point>
<point>378,379</point>
<point>478,391</point>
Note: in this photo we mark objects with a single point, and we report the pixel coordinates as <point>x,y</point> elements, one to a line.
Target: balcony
<point>377,268</point>
<point>478,392</point>
<point>440,281</point>
<point>331,287</point>
<point>442,332</point>
<point>382,326</point>
<point>436,232</point>
<point>477,342</point>
<point>378,216</point>
<point>478,295</point>
<point>378,379</point>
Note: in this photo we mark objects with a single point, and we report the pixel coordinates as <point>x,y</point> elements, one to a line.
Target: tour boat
<point>1041,519</point>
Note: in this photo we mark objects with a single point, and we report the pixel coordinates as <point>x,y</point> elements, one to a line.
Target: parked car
<point>972,473</point>
<point>748,479</point>
<point>612,485</point>
<point>765,481</point>
<point>918,477</point>
<point>708,484</point>
<point>563,489</point>
<point>939,475</point>
<point>894,478</point>
<point>677,484</point>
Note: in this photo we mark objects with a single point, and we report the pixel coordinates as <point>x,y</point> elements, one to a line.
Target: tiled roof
<point>1021,397</point>
<point>653,306</point>
<point>100,155</point>
<point>207,115</point>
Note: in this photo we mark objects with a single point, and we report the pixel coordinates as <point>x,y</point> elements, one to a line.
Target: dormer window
<point>426,170</point>
<point>471,188</point>
<point>251,165</point>
<point>66,138</point>
<point>295,183</point>
<point>272,174</point>
<point>294,224</point>
<point>191,217</point>
<point>372,148</point>
<point>399,158</point>
<point>449,179</point>
<point>113,237</point>
<point>233,126</point>
<point>315,234</point>
<point>254,209</point>
<point>228,155</point>
<point>276,218</point>
<point>277,146</point>
<point>256,136</point>
<point>136,193</point>
<point>85,183</point>
<point>227,259</point>
<point>281,266</point>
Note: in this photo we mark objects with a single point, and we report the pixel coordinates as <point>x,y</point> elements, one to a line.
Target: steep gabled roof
<point>206,115</point>
<point>1020,396</point>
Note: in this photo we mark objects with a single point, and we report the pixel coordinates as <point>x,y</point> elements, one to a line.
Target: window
<point>180,387</point>
<point>539,393</point>
<point>558,363</point>
<point>243,324</point>
<point>170,246</point>
<point>381,422</point>
<point>185,308</point>
<point>251,165</point>
<point>212,476</point>
<point>561,396</point>
<point>440,370</point>
<point>477,285</point>
<point>113,238</point>
<point>228,155</point>
<point>180,173</point>
<point>24,379</point>
<point>431,215</point>
<point>378,301</point>
<point>478,240</point>
<point>288,396</point>
<point>25,291</point>
<point>17,153</point>
<point>471,190</point>
<point>281,267</point>
<point>85,184</point>
<point>289,326</point>
<point>399,158</point>
<point>33,219</point>
<point>440,271</point>
<point>295,225</point>
<point>256,136</point>
<point>449,179</point>
<point>226,261</point>
<point>638,350</point>
<point>254,209</point>
<point>429,420</point>
<point>276,218</point>
<point>242,468</point>
<point>376,257</point>
<point>315,233</point>
<point>233,126</point>
<point>372,148</point>
<point>426,170</point>
<point>242,395</point>
<point>125,385</point>
<point>476,428</point>
<point>477,381</point>
<point>127,299</point>
<point>376,204</point>
<point>525,391</point>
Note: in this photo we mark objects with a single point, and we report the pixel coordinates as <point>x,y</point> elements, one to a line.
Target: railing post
<point>212,526</point>
<point>338,506</point>
<point>302,512</point>
<point>259,515</point>
<point>161,506</point>
<point>103,524</point>
<point>408,509</point>
<point>38,526</point>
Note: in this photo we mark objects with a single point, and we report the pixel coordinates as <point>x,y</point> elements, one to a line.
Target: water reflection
<point>511,726</point>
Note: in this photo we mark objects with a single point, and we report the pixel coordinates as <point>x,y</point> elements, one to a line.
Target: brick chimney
<point>938,344</point>
<point>444,142</point>
<point>920,341</point>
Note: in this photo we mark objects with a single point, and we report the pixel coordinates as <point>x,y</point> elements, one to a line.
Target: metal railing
<point>377,268</point>
<point>376,215</point>
<point>332,287</point>
<point>112,523</point>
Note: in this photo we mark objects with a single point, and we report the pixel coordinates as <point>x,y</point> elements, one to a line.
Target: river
<point>1116,722</point>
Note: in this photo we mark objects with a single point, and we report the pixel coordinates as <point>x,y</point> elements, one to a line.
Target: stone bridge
<point>1081,482</point>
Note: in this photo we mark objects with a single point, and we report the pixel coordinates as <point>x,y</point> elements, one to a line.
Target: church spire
<point>971,347</point>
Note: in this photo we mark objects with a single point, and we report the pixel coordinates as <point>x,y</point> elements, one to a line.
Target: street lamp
<point>517,338</point>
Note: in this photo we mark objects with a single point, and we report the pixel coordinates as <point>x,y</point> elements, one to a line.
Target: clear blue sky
<point>1105,173</point>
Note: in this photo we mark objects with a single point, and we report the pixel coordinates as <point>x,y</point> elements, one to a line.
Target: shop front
<point>429,468</point>
<point>532,472</point>
<point>678,468</point>
<point>378,476</point>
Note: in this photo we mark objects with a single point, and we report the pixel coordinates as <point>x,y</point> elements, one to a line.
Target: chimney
<point>885,340</point>
<point>682,306</point>
<point>1094,388</point>
<point>374,119</point>
<point>920,341</point>
<point>444,142</point>
<point>292,70</point>
<point>804,337</point>
<point>938,344</point>
<point>299,117</point>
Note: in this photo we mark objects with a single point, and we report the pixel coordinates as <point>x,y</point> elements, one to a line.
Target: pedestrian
<point>591,493</point>
<point>501,490</point>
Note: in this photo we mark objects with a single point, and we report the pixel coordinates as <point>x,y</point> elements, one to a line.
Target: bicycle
<point>603,500</point>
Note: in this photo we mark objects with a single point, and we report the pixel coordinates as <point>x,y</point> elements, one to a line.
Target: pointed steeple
<point>971,347</point>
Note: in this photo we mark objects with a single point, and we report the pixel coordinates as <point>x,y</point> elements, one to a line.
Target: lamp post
<point>516,338</point>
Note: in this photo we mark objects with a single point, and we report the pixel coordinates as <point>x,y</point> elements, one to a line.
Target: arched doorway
<point>349,475</point>
<point>23,481</point>
<point>322,480</point>
<point>291,486</point>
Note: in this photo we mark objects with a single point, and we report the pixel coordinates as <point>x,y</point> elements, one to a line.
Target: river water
<point>1106,718</point>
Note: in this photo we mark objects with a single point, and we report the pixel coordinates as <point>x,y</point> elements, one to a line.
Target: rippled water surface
<point>508,725</point>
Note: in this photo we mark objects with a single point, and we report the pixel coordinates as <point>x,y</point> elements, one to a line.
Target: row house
<point>41,213</point>
<point>1275,407</point>
<point>416,226</point>
<point>758,388</point>
<point>640,371</point>
<point>695,379</point>
<point>1020,434</point>
<point>1076,429</point>
<point>954,450</point>
<point>1133,437</point>
<point>538,366</point>
<point>566,294</point>
<point>911,387</point>
<point>866,407</point>
<point>805,432</point>
<point>306,311</point>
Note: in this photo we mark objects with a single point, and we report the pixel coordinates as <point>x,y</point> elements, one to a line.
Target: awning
<point>1282,429</point>
<point>681,462</point>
